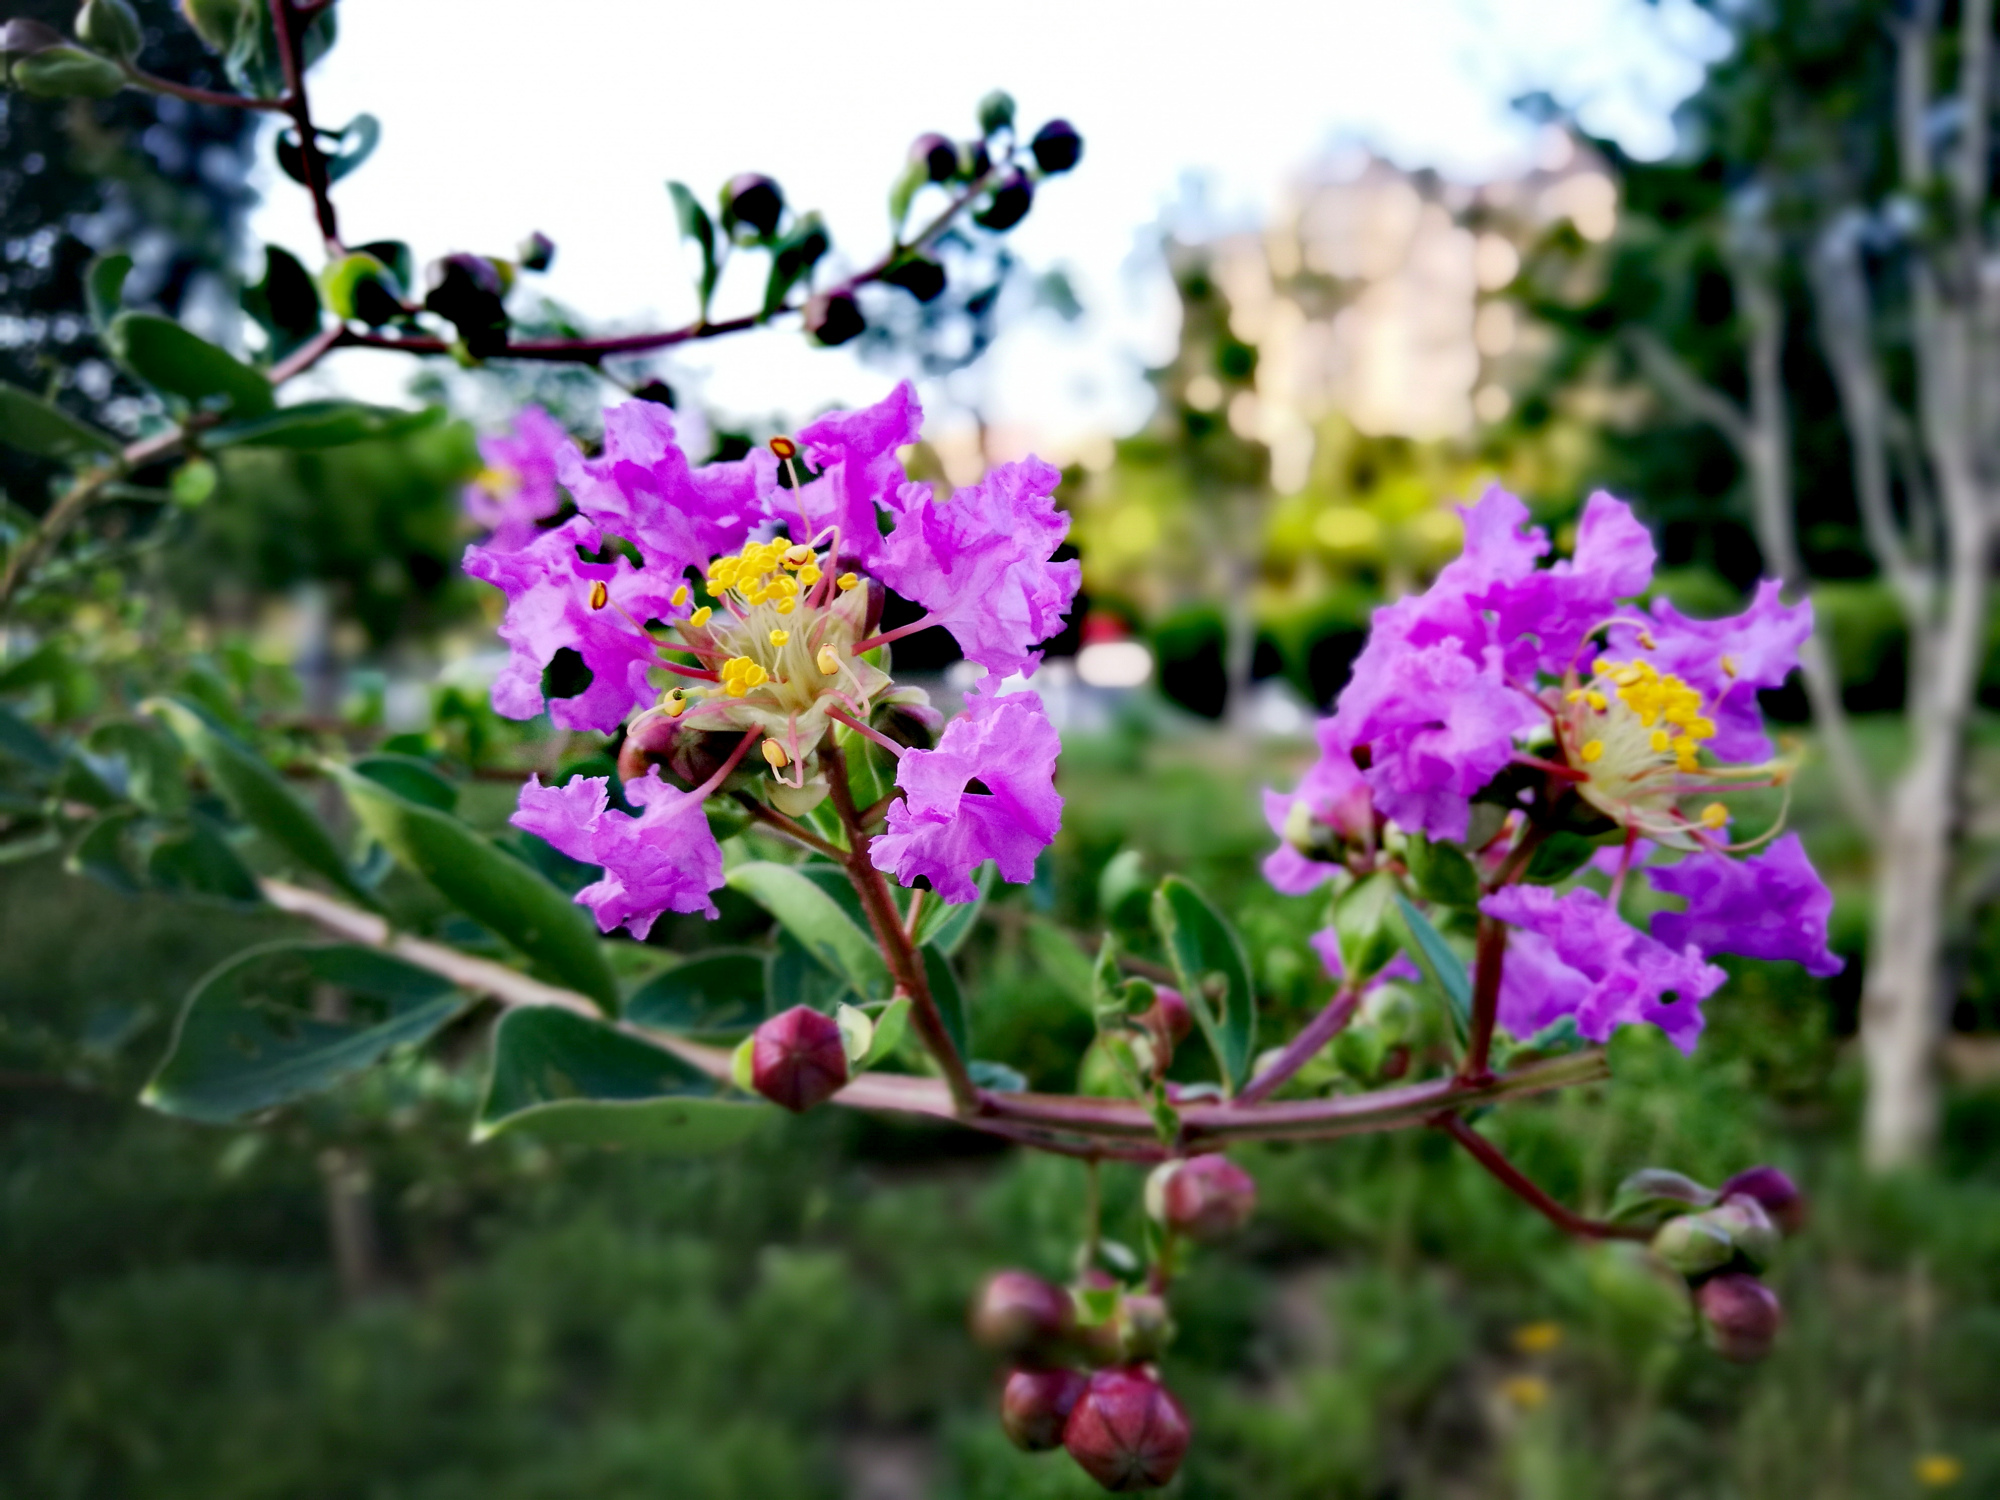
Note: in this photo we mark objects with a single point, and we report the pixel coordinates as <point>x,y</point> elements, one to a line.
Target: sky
<point>505,116</point>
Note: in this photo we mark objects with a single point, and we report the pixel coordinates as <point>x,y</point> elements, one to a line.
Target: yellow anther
<point>1593,751</point>
<point>798,555</point>
<point>1714,815</point>
<point>673,703</point>
<point>785,606</point>
<point>599,595</point>
<point>829,661</point>
<point>784,447</point>
<point>779,637</point>
<point>722,573</point>
<point>1626,676</point>
<point>700,617</point>
<point>1597,700</point>
<point>774,754</point>
<point>756,594</point>
<point>809,574</point>
<point>783,586</point>
<point>846,581</point>
<point>1599,667</point>
<point>680,596</point>
<point>1574,695</point>
<point>1728,666</point>
<point>1646,640</point>
<point>1661,742</point>
<point>1686,754</point>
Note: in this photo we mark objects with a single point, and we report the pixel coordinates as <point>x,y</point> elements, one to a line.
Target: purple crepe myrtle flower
<point>1772,905</point>
<point>979,563</point>
<point>858,473</point>
<point>1329,809</point>
<point>553,603</point>
<point>986,792</point>
<point>1326,943</point>
<point>518,487</point>
<point>665,859</point>
<point>1573,955</point>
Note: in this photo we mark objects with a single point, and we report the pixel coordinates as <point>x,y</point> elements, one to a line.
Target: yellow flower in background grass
<point>1528,1392</point>
<point>1537,1338</point>
<point>1936,1471</point>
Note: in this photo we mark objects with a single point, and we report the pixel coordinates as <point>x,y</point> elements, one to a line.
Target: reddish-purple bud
<point>1036,1405</point>
<point>1741,1314</point>
<point>1206,1198</point>
<point>1127,1431</point>
<point>1168,1018</point>
<point>1057,146</point>
<point>797,1059</point>
<point>1009,204</point>
<point>938,154</point>
<point>1778,1194</point>
<point>686,756</point>
<point>536,253</point>
<point>834,319</point>
<point>1022,1316</point>
<point>752,199</point>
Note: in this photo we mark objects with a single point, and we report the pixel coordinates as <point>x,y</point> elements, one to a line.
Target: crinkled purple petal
<point>548,607</point>
<point>979,563</point>
<point>1761,644</point>
<point>1772,905</point>
<point>1326,943</point>
<point>520,487</point>
<point>643,489</point>
<point>1623,976</point>
<point>1541,619</point>
<point>1334,794</point>
<point>943,829</point>
<point>1609,862</point>
<point>855,453</point>
<point>666,859</point>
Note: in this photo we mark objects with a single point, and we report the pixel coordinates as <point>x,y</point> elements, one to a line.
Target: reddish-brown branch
<point>791,828</point>
<point>1304,1047</point>
<point>154,84</point>
<point>1517,1182</point>
<point>1487,968</point>
<point>289,22</point>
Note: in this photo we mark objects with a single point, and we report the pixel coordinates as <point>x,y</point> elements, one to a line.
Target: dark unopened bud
<point>1035,1407</point>
<point>974,160</point>
<point>920,276</point>
<point>1021,1316</point>
<point>1206,1198</point>
<point>1778,1194</point>
<point>1749,1228</point>
<point>685,755</point>
<point>1009,204</point>
<point>1741,1315</point>
<point>111,27</point>
<point>996,111</point>
<point>467,292</point>
<point>1168,1018</point>
<point>834,318</point>
<point>1127,1431</point>
<point>797,1059</point>
<point>656,391</point>
<point>1057,146</point>
<point>536,253</point>
<point>914,725</point>
<point>22,37</point>
<point>938,154</point>
<point>753,200</point>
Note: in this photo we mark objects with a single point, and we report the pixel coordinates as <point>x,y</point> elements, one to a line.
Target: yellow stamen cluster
<point>1664,703</point>
<point>740,674</point>
<point>766,573</point>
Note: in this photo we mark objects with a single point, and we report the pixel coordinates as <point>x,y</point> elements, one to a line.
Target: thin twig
<point>154,84</point>
<point>791,828</point>
<point>1304,1047</point>
<point>1517,1182</point>
<point>287,22</point>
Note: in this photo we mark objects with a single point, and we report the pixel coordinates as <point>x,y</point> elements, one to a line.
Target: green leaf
<point>1205,950</point>
<point>152,760</point>
<point>258,794</point>
<point>1364,920</point>
<point>170,359</point>
<point>697,226</point>
<point>1440,964</point>
<point>290,1019</point>
<point>285,303</point>
<point>496,890</point>
<point>949,996</point>
<point>563,1077</point>
<point>103,853</point>
<point>946,925</point>
<point>997,1076</point>
<point>1060,959</point>
<point>67,73</point>
<point>104,287</point>
<point>906,187</point>
<point>47,664</point>
<point>885,1032</point>
<point>1442,872</point>
<point>324,424</point>
<point>21,741</point>
<point>411,779</point>
<point>818,921</point>
<point>795,977</point>
<point>36,426</point>
<point>356,143</point>
<point>1652,1195</point>
<point>719,994</point>
<point>792,259</point>
<point>197,860</point>
<point>1561,855</point>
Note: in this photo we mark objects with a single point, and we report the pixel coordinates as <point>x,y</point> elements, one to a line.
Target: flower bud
<point>1749,1228</point>
<point>110,27</point>
<point>1035,1407</point>
<point>466,291</point>
<point>1127,1431</point>
<point>919,275</point>
<point>1149,1326</point>
<point>1009,204</point>
<point>834,318</point>
<point>1021,1316</point>
<point>1693,1245</point>
<point>1778,1194</point>
<point>536,253</point>
<point>57,71</point>
<point>974,160</point>
<point>1168,1017</point>
<point>797,1059</point>
<point>1740,1315</point>
<point>22,37</point>
<point>938,154</point>
<point>911,723</point>
<point>996,111</point>
<point>754,201</point>
<point>685,755</point>
<point>1206,1198</point>
<point>656,391</point>
<point>1057,146</point>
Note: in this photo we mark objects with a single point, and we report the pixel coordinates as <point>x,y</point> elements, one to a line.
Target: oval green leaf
<point>720,995</point>
<point>810,913</point>
<point>1207,953</point>
<point>168,358</point>
<point>36,426</point>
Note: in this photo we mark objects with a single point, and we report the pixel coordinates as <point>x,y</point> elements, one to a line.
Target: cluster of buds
<point>1085,1359</point>
<point>1721,1240</point>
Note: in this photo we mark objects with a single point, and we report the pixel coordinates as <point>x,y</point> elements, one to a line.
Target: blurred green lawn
<point>787,1322</point>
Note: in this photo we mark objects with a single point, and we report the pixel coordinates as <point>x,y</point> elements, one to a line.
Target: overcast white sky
<point>503,116</point>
